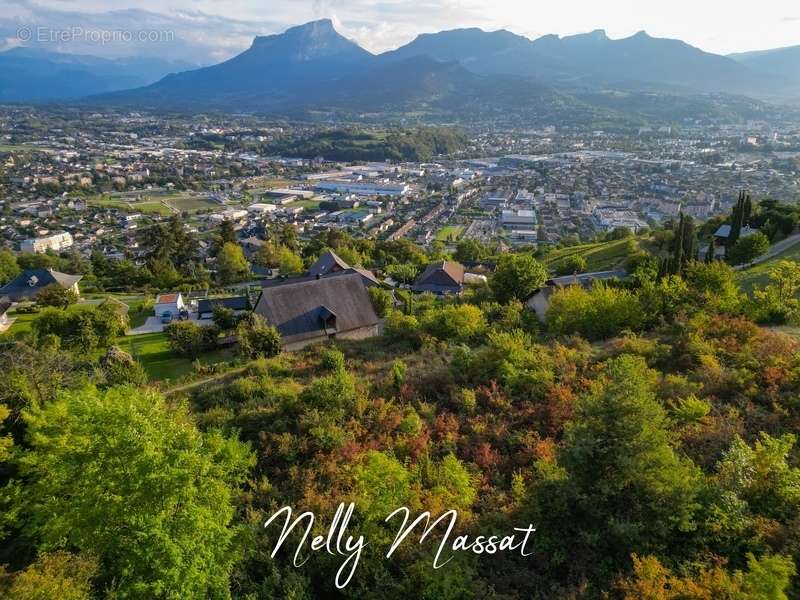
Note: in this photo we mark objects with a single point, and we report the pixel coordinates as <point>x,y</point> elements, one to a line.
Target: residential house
<point>331,264</point>
<point>29,283</point>
<point>309,311</point>
<point>238,304</point>
<point>723,234</point>
<point>169,303</point>
<point>441,278</point>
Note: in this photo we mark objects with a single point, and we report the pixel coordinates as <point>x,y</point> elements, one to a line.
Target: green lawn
<point>450,233</point>
<point>160,363</point>
<point>758,275</point>
<point>148,205</point>
<point>22,323</point>
<point>603,256</point>
<point>190,203</point>
<point>23,148</point>
<point>307,204</point>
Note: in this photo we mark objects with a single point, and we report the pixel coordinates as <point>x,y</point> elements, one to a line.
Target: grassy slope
<point>757,275</point>
<point>449,233</point>
<point>160,363</point>
<point>602,256</point>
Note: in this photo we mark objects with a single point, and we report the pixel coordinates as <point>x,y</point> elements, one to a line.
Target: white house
<point>169,303</point>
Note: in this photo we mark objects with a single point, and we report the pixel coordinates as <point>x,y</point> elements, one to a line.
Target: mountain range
<point>313,68</point>
<point>36,75</point>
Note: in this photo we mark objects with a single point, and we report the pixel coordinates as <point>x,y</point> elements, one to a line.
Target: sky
<point>207,31</point>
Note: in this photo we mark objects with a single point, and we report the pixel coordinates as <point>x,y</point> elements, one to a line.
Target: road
<point>774,250</point>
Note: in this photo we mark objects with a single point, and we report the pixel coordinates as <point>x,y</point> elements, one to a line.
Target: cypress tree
<point>736,220</point>
<point>748,210</point>
<point>712,250</point>
<point>678,256</point>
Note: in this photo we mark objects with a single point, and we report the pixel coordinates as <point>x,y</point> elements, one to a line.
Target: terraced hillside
<point>601,256</point>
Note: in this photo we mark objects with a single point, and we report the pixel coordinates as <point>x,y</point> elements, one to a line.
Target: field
<point>155,203</point>
<point>307,204</point>
<point>160,363</point>
<point>451,233</point>
<point>757,275</point>
<point>603,256</point>
<point>22,148</point>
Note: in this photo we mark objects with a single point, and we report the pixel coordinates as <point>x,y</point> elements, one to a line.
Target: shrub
<point>599,313</point>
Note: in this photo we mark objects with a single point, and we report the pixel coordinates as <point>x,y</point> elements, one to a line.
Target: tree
<point>55,575</point>
<point>124,477</point>
<point>226,234</point>
<point>471,250</point>
<point>622,489</point>
<point>289,263</point>
<point>598,313</point>
<point>457,323</point>
<point>620,233</point>
<point>56,296</point>
<point>257,338</point>
<point>572,265</point>
<point>517,276</point>
<point>289,237</point>
<point>190,340</point>
<point>767,578</point>
<point>120,368</point>
<point>8,266</point>
<point>81,328</point>
<point>404,273</point>
<point>777,302</point>
<point>713,287</point>
<point>711,253</point>
<point>747,249</point>
<point>382,300</point>
<point>232,266</point>
<point>762,476</point>
<point>224,318</point>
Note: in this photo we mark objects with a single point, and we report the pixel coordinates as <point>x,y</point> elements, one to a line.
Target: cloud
<point>188,35</point>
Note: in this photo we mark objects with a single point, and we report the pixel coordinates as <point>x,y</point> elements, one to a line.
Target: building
<point>518,219</point>
<point>261,208</point>
<point>29,283</point>
<point>331,264</point>
<point>56,242</point>
<point>238,304</point>
<point>362,188</point>
<point>169,303</point>
<point>524,236</point>
<point>723,234</point>
<point>441,278</point>
<point>310,311</point>
<point>495,200</point>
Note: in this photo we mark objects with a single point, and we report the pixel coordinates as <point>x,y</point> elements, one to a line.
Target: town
<point>539,297</point>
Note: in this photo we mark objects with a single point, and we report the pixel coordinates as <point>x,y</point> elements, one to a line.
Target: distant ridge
<point>312,67</point>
